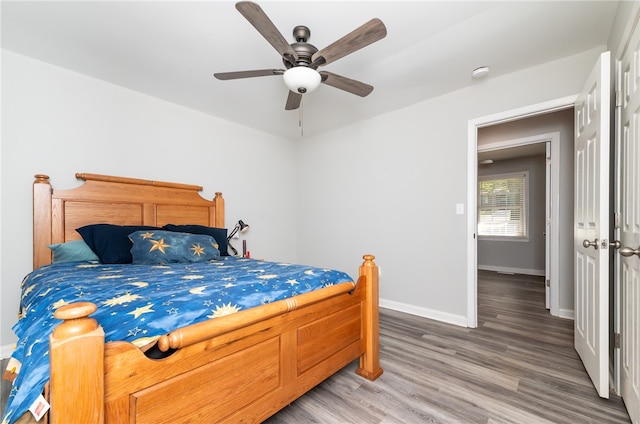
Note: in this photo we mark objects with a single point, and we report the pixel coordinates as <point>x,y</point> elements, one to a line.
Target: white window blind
<point>502,205</point>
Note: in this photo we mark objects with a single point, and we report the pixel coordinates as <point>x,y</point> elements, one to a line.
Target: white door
<point>629,227</point>
<point>591,220</point>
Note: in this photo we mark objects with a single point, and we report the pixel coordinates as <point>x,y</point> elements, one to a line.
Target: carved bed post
<point>76,350</point>
<point>219,218</point>
<point>370,360</point>
<point>41,220</point>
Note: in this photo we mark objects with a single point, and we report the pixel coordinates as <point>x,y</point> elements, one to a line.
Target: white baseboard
<point>445,316</point>
<point>6,351</point>
<point>511,270</point>
<point>424,312</point>
<point>566,313</point>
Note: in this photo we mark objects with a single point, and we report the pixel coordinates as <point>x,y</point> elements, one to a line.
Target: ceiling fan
<point>302,59</point>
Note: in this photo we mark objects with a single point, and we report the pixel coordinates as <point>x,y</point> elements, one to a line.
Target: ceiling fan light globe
<point>301,79</point>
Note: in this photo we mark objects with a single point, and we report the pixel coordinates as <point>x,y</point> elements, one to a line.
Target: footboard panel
<point>242,376</point>
<point>249,374</point>
<point>325,337</point>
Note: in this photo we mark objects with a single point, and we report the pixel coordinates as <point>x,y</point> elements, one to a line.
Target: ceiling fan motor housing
<point>303,49</point>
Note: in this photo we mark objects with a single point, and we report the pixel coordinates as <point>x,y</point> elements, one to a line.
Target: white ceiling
<point>170,49</point>
<point>535,149</point>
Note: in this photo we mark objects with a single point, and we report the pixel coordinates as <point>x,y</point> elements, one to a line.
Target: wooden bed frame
<point>242,367</point>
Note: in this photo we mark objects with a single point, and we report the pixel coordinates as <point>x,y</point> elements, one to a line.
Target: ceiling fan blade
<point>256,17</point>
<point>347,84</point>
<point>293,101</point>
<point>248,74</point>
<point>366,34</point>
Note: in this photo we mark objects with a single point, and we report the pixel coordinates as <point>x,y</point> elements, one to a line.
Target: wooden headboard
<point>114,200</point>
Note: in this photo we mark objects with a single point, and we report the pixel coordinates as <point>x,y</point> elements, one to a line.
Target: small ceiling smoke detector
<point>480,72</point>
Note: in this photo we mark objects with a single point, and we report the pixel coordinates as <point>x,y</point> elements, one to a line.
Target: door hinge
<point>616,340</point>
<point>616,220</point>
<point>548,283</point>
<point>618,99</point>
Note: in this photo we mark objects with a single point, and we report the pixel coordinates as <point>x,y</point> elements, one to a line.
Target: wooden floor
<point>518,366</point>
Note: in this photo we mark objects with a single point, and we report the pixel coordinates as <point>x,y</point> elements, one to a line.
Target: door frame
<point>552,196</point>
<point>472,184</point>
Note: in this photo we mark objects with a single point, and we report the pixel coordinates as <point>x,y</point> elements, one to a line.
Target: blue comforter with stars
<point>139,303</point>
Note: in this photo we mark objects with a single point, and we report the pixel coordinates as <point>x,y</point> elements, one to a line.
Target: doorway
<point>517,229</point>
<point>533,116</point>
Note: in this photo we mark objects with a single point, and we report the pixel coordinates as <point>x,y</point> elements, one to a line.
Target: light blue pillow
<point>72,251</point>
<point>151,247</point>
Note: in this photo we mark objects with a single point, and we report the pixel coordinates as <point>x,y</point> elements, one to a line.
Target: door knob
<point>587,243</point>
<point>629,251</point>
<point>625,251</point>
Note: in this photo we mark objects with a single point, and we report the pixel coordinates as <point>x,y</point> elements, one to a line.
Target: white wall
<point>59,122</point>
<point>389,186</point>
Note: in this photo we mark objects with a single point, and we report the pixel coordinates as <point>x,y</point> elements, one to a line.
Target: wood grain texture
<point>76,356</point>
<point>114,200</point>
<point>518,366</point>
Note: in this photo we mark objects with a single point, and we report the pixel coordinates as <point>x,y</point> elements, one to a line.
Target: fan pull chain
<point>301,117</point>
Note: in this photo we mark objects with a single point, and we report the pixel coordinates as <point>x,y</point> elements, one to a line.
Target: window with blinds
<point>502,205</point>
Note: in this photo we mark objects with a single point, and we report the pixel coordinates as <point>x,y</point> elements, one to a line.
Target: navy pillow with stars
<point>152,247</point>
<point>220,234</point>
